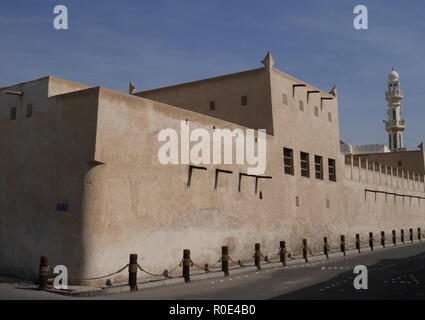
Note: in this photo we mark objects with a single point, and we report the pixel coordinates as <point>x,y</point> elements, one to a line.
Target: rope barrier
<point>149,273</point>
<point>198,266</point>
<point>348,246</point>
<point>290,256</point>
<point>174,269</point>
<point>97,278</point>
<point>230,258</point>
<point>240,263</point>
<point>215,264</point>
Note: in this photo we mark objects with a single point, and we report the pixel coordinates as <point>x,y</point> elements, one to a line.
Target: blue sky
<point>158,43</point>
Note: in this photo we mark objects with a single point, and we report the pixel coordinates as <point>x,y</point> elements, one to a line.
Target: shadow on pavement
<point>388,279</point>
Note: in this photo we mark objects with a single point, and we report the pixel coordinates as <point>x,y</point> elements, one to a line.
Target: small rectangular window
<point>29,111</point>
<point>301,105</point>
<point>318,167</point>
<point>328,204</point>
<point>212,105</point>
<point>332,172</point>
<point>316,111</point>
<point>285,98</point>
<point>297,201</point>
<point>13,113</point>
<point>329,116</point>
<point>305,165</point>
<point>244,100</point>
<point>288,160</point>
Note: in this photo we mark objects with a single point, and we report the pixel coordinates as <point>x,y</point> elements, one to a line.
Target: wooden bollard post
<point>402,236</point>
<point>358,242</point>
<point>343,244</point>
<point>394,238</point>
<point>383,239</point>
<point>186,265</point>
<point>419,234</point>
<point>132,272</point>
<point>225,260</point>
<point>411,234</point>
<point>326,247</point>
<point>43,272</point>
<point>305,248</point>
<point>282,252</point>
<point>257,256</point>
<point>371,241</point>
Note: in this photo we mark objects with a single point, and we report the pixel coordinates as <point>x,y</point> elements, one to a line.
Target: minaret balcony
<point>394,94</point>
<point>395,124</point>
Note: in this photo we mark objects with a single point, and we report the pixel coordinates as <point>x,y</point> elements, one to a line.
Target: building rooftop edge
<point>29,81</point>
<point>230,75</point>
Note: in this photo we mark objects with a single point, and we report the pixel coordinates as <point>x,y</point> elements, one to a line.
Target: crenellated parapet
<point>378,175</point>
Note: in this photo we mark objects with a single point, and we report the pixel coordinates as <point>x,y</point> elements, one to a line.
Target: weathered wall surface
<point>413,160</point>
<point>396,206</point>
<point>42,164</point>
<point>97,149</point>
<point>226,92</point>
<point>135,204</point>
<point>140,206</point>
<point>57,86</point>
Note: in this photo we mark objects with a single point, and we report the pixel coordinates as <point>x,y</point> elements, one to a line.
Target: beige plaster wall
<point>413,160</point>
<point>226,91</point>
<point>42,163</point>
<point>140,206</point>
<point>97,149</point>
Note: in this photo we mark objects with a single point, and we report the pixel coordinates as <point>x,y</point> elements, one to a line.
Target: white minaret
<point>395,124</point>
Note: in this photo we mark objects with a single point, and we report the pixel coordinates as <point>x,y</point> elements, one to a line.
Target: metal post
<point>383,239</point>
<point>411,234</point>
<point>343,244</point>
<point>225,260</point>
<point>402,236</point>
<point>186,265</point>
<point>358,242</point>
<point>371,241</point>
<point>282,252</point>
<point>326,247</point>
<point>394,238</point>
<point>43,272</point>
<point>257,256</point>
<point>132,272</point>
<point>305,247</point>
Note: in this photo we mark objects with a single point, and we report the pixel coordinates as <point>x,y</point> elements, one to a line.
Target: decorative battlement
<point>374,173</point>
<point>396,93</point>
<point>391,124</point>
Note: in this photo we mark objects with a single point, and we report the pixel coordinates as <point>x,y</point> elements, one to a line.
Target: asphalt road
<point>393,273</point>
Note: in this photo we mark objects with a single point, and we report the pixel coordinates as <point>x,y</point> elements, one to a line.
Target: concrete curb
<point>220,274</point>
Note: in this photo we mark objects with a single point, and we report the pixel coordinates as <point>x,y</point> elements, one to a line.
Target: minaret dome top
<point>393,76</point>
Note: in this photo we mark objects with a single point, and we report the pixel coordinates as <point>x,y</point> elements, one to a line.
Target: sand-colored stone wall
<point>42,164</point>
<point>97,149</point>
